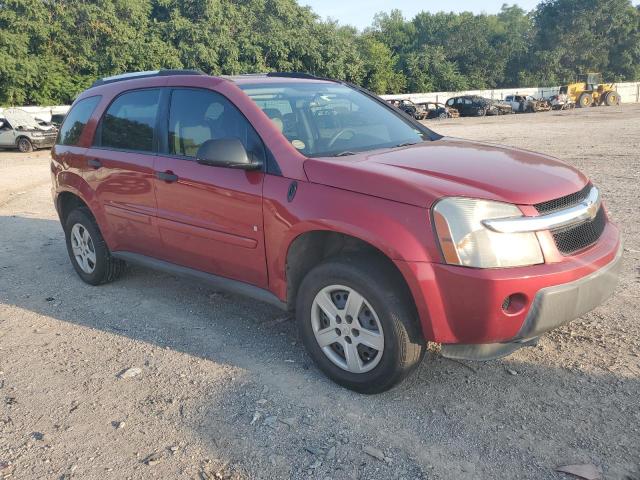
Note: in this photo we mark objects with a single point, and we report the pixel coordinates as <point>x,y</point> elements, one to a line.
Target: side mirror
<point>226,152</point>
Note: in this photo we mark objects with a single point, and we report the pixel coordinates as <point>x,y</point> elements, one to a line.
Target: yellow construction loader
<point>590,91</point>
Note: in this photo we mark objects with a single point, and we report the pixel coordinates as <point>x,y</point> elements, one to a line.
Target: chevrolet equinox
<point>318,197</point>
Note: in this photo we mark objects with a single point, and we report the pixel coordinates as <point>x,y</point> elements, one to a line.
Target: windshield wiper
<point>344,154</point>
<point>405,144</point>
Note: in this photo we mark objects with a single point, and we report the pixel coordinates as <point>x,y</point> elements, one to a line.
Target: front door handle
<point>167,176</point>
<point>94,163</point>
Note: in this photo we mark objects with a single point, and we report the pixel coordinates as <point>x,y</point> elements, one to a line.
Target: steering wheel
<point>335,138</point>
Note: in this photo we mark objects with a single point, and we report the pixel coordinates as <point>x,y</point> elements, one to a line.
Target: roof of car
<point>267,78</point>
<point>252,78</point>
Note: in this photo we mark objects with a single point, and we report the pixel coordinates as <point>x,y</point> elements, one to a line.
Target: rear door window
<point>76,120</point>
<point>129,122</point>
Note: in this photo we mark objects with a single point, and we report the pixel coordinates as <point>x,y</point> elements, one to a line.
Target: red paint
<point>422,173</point>
<point>240,224</point>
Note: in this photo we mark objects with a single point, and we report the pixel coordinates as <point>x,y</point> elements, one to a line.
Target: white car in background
<point>19,129</point>
<point>520,103</point>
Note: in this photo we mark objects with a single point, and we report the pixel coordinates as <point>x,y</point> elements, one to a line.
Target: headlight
<point>464,240</point>
<point>37,134</point>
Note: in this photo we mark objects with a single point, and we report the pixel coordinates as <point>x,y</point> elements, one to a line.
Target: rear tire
<point>25,145</point>
<point>88,251</point>
<point>585,100</point>
<point>385,318</point>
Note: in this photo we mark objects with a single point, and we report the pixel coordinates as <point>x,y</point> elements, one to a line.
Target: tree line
<point>50,50</point>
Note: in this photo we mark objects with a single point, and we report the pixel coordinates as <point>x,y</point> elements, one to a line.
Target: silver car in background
<point>18,129</point>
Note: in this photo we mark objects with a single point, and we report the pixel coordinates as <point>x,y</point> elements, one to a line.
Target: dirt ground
<point>225,389</point>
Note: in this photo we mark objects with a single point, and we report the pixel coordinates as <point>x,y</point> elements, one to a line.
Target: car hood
<point>422,173</point>
<point>21,120</point>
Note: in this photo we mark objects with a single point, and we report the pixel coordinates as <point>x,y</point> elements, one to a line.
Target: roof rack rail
<point>145,74</point>
<point>293,75</point>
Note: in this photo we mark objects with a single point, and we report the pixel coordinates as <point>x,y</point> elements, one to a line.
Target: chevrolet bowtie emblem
<point>586,210</point>
<point>592,207</point>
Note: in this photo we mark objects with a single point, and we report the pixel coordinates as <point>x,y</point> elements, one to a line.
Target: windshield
<point>326,119</point>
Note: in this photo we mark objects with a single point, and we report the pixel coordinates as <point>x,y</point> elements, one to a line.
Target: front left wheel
<point>25,145</point>
<point>359,324</point>
<point>611,98</point>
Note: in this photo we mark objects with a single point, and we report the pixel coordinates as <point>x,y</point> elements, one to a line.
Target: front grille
<point>563,202</point>
<point>573,239</point>
<point>578,237</point>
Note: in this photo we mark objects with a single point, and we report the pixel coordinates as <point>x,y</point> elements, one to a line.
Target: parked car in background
<point>527,104</point>
<point>520,103</point>
<point>416,111</point>
<point>476,106</point>
<point>561,101</point>
<point>439,110</point>
<point>316,196</point>
<point>18,129</point>
<point>424,110</point>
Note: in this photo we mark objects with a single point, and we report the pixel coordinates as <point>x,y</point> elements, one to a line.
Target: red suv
<point>316,196</point>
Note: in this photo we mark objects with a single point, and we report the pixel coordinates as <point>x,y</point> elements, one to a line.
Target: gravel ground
<point>219,386</point>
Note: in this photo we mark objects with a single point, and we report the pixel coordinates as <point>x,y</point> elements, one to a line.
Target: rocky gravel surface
<point>156,376</point>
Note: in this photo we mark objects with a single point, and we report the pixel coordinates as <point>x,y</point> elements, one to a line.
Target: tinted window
<point>196,116</point>
<point>130,121</point>
<point>76,120</point>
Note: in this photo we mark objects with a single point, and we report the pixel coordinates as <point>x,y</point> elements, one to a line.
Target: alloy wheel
<point>83,248</point>
<point>24,145</point>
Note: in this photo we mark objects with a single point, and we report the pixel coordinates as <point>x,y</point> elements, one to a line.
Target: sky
<point>359,13</point>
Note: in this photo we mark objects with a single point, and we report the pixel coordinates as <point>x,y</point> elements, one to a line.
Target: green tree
<point>50,50</point>
<point>380,75</point>
<point>577,36</point>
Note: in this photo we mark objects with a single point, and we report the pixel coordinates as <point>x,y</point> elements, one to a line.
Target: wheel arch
<point>77,193</point>
<point>68,201</point>
<point>312,247</point>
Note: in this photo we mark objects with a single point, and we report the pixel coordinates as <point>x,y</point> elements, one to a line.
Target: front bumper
<point>460,305</point>
<point>43,142</point>
<point>557,305</point>
<point>552,307</point>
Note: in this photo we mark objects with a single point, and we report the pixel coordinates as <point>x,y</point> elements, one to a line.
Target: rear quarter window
<point>76,120</point>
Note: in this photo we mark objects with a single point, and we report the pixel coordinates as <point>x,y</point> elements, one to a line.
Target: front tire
<point>88,251</point>
<point>611,98</point>
<point>359,324</point>
<point>25,145</point>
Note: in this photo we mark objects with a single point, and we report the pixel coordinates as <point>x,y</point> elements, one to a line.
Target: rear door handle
<point>95,163</point>
<point>168,176</point>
